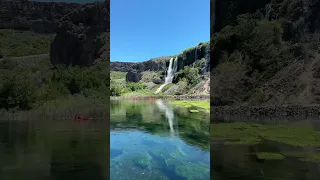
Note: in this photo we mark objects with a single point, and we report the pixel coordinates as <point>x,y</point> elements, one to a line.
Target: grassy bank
<point>193,105</point>
<point>14,43</point>
<point>65,108</point>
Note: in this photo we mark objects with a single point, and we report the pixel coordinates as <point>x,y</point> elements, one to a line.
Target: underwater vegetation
<point>174,164</point>
<point>270,156</point>
<point>294,135</point>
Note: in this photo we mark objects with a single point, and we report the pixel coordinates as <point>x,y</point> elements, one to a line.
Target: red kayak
<point>78,119</point>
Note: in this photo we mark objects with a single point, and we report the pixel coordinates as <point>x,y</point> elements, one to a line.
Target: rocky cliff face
<point>295,27</point>
<point>186,58</point>
<point>298,16</point>
<point>82,36</point>
<point>42,17</point>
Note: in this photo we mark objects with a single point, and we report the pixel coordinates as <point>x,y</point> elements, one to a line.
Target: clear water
<point>54,150</point>
<point>153,140</point>
<point>234,161</point>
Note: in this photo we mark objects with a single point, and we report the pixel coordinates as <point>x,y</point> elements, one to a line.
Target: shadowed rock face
<point>297,82</point>
<point>41,17</point>
<point>298,16</point>
<point>133,76</point>
<point>82,36</point>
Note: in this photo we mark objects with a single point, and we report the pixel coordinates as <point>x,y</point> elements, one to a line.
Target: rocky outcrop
<point>227,11</point>
<point>133,76</point>
<point>189,56</point>
<point>297,16</point>
<point>186,58</point>
<point>82,36</point>
<point>42,17</point>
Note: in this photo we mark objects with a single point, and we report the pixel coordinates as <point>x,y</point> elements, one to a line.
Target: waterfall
<point>173,66</point>
<point>268,10</point>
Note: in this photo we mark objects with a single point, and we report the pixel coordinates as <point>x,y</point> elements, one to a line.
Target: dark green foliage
<point>247,54</point>
<point>31,85</point>
<point>191,74</point>
<point>135,86</point>
<point>16,43</point>
<point>115,90</point>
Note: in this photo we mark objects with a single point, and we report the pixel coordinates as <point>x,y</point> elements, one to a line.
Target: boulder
<point>133,76</point>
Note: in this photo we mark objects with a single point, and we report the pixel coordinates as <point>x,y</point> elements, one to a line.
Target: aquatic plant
<point>270,156</point>
<point>199,104</point>
<point>295,135</point>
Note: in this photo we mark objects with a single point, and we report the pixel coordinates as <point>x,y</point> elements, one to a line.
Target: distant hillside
<point>144,78</point>
<point>185,58</point>
<point>266,52</point>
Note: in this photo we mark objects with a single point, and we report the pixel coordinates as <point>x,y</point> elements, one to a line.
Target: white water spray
<point>173,65</point>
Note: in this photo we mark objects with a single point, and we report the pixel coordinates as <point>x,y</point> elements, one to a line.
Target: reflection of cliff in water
<point>53,150</point>
<point>148,117</point>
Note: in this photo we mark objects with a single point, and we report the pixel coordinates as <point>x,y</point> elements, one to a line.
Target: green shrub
<point>115,90</point>
<point>17,43</point>
<point>125,90</point>
<point>135,86</point>
<point>192,75</point>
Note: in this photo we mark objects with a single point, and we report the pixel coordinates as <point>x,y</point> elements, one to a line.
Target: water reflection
<point>168,112</point>
<point>146,142</point>
<point>40,149</point>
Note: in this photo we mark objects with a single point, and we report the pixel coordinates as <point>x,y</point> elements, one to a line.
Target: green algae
<point>244,141</point>
<point>312,157</point>
<point>304,156</point>
<point>251,133</point>
<point>270,156</point>
<point>196,105</point>
<point>192,171</point>
<point>193,111</point>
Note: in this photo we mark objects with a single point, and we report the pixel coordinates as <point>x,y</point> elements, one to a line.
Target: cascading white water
<point>268,10</point>
<point>173,65</point>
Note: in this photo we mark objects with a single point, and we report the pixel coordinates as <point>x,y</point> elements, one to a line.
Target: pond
<point>281,148</point>
<point>57,150</point>
<point>155,140</point>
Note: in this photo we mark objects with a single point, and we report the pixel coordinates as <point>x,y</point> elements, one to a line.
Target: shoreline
<point>273,111</point>
<point>175,97</point>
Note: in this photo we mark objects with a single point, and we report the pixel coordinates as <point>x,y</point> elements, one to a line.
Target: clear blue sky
<point>144,29</point>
